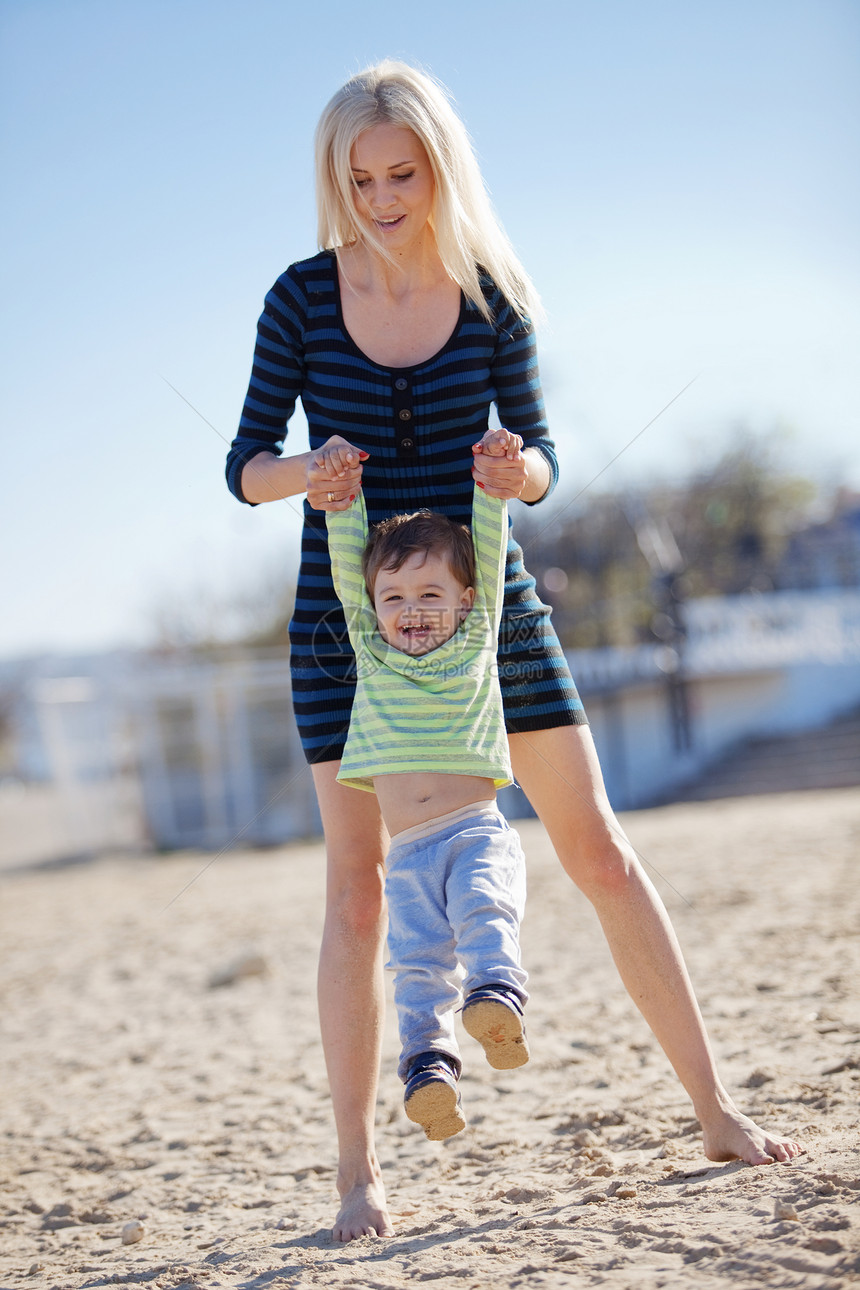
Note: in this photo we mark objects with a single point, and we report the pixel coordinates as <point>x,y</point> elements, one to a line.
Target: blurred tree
<point>615,567</point>
<point>10,698</point>
<point>204,623</point>
<point>734,518</point>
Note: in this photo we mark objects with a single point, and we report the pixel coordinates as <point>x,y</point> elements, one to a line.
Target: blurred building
<point>750,667</point>
<point>127,751</point>
<point>826,555</point>
<point>130,751</point>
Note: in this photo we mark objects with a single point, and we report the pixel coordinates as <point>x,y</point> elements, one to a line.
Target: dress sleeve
<point>490,539</point>
<point>519,397</point>
<point>277,377</point>
<point>347,538</point>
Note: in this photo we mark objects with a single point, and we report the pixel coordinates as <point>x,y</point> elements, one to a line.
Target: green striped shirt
<point>440,711</point>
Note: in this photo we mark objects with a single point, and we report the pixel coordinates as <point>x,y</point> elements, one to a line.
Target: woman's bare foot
<point>730,1135</point>
<point>363,1212</point>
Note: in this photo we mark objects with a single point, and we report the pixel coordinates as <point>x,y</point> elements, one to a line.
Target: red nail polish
<point>478,482</point>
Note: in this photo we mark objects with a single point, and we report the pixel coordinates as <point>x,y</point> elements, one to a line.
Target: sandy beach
<point>163,1078</point>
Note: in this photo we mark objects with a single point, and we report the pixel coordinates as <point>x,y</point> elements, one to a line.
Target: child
<point>422,600</point>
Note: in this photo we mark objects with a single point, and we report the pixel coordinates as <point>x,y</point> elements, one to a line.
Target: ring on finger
<point>330,497</point>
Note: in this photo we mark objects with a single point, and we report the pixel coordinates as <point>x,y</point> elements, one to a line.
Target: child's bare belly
<point>407,800</point>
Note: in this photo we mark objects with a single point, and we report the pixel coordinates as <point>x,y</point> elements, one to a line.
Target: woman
<point>398,337</point>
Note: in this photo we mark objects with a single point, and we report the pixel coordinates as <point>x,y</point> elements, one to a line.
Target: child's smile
<point>420,605</point>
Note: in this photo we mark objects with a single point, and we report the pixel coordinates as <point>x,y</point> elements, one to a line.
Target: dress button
<point>406,443</point>
<point>401,383</point>
<point>405,414</point>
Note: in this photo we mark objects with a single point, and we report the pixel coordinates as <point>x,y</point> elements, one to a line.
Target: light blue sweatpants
<point>455,896</point>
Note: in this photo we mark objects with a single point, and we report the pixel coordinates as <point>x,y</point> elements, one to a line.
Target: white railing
<point>213,752</point>
<point>735,634</point>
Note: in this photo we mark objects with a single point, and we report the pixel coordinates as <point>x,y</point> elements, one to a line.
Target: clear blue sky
<point>681,179</point>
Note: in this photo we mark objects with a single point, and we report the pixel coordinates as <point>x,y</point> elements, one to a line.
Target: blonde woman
<point>399,336</point>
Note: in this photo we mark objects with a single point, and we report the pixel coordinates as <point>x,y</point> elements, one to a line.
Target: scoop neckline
<point>388,367</point>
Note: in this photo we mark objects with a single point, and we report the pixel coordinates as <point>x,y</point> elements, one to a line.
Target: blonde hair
<point>468,235</point>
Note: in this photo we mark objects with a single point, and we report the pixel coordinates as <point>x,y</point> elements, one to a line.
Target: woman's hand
<point>499,466</point>
<point>334,474</point>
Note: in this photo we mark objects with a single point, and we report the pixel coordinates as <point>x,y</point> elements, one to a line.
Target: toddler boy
<point>422,599</point>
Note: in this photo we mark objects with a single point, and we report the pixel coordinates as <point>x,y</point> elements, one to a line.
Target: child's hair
<point>392,542</point>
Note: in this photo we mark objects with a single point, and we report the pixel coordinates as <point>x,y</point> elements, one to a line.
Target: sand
<point>142,1097</point>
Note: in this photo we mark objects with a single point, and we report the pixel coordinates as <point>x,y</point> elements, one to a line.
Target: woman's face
<point>394,186</point>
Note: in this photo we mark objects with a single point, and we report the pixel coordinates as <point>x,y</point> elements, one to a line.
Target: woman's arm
<point>331,476</point>
<point>267,478</point>
<point>539,476</point>
<point>504,468</point>
<point>519,402</point>
<point>256,471</point>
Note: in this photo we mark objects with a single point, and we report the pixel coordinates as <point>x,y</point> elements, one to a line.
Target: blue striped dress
<point>418,424</point>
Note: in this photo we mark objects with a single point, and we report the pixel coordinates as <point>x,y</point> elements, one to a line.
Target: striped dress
<point>418,424</point>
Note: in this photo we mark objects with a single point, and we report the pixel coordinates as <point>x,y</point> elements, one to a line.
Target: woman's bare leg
<point>560,774</point>
<point>351,1001</point>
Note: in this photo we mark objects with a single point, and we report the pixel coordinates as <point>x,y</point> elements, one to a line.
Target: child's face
<point>420,605</point>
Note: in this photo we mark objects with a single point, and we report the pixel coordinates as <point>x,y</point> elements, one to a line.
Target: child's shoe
<point>493,1014</point>
<point>431,1098</point>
